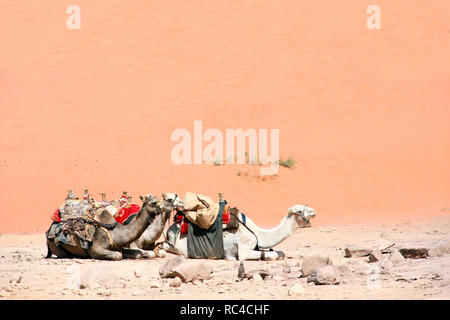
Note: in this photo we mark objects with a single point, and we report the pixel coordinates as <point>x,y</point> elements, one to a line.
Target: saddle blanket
<point>63,233</point>
<point>126,212</point>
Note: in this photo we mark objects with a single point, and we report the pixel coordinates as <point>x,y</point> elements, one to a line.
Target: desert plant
<point>288,163</point>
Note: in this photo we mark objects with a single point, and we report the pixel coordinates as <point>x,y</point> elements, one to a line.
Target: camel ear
<point>163,195</point>
<point>142,198</point>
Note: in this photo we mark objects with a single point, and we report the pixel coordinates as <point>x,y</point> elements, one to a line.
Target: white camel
<point>243,244</point>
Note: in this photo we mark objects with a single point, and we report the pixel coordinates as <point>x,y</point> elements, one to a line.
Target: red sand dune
<point>364,112</point>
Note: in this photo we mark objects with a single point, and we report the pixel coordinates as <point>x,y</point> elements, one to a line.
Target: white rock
<point>324,275</point>
<point>296,290</point>
<point>175,282</point>
<point>312,263</point>
<point>396,257</point>
<point>192,271</point>
<point>155,284</point>
<point>166,270</point>
<point>257,278</point>
<point>99,276</point>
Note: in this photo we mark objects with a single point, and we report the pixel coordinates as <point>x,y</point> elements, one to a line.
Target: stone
<point>434,252</point>
<point>17,278</point>
<point>414,253</point>
<point>312,263</point>
<point>296,290</point>
<point>99,276</point>
<point>386,264</point>
<point>396,257</point>
<point>383,245</point>
<point>257,278</point>
<point>104,293</point>
<point>278,278</point>
<point>262,273</point>
<point>324,276</point>
<point>376,256</point>
<point>343,270</point>
<point>166,270</point>
<point>192,271</point>
<point>241,270</point>
<point>155,284</point>
<point>356,252</point>
<point>175,282</point>
<point>444,248</point>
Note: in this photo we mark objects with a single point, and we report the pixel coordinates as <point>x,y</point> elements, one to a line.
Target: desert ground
<point>25,274</point>
<point>363,112</point>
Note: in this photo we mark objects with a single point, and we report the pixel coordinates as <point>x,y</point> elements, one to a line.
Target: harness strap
<point>245,225</point>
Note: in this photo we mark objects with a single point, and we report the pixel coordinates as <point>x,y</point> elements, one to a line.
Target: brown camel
<point>112,246</point>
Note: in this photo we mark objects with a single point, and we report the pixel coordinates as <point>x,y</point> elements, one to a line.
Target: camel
<point>242,244</point>
<point>153,232</point>
<point>112,246</point>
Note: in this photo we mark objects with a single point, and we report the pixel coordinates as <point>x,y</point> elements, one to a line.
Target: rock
<point>356,252</point>
<point>137,274</point>
<point>444,248</point>
<point>434,252</point>
<point>376,256</point>
<point>241,271</point>
<point>155,284</point>
<point>383,245</point>
<point>343,270</point>
<point>324,275</point>
<point>17,278</point>
<point>278,278</point>
<point>104,293</point>
<point>261,273</point>
<point>98,277</point>
<point>175,282</point>
<point>311,263</point>
<point>396,257</point>
<point>192,271</point>
<point>166,270</point>
<point>257,278</point>
<point>386,264</point>
<point>4,294</point>
<point>414,253</point>
<point>296,290</point>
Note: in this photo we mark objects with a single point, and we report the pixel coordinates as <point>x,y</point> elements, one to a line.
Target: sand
<point>22,256</point>
<point>363,112</point>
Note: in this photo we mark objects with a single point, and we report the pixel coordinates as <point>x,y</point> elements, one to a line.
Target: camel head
<point>155,205</point>
<point>173,198</point>
<point>151,203</point>
<point>302,214</point>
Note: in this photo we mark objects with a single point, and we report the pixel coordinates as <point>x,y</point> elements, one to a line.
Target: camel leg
<point>146,254</point>
<point>131,253</point>
<point>245,253</point>
<point>105,254</point>
<point>56,250</point>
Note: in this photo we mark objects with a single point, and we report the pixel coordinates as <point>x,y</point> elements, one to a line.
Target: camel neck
<point>267,238</point>
<point>125,234</point>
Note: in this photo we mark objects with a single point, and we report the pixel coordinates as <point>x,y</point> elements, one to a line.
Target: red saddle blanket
<point>126,212</point>
<point>56,216</point>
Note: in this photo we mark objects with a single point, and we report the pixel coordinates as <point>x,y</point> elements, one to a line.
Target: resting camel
<point>148,238</point>
<point>121,236</point>
<point>243,244</point>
